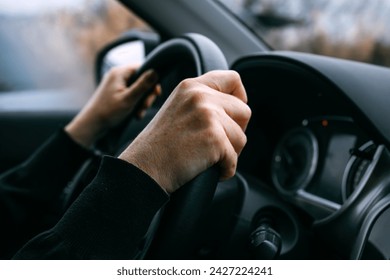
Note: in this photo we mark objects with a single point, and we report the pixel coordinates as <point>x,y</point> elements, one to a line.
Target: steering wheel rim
<point>203,55</point>
<point>182,214</point>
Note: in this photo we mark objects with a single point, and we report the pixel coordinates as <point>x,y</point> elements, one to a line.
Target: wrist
<point>149,165</point>
<point>83,132</point>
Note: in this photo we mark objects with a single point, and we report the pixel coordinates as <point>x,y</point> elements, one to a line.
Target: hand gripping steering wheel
<point>188,56</point>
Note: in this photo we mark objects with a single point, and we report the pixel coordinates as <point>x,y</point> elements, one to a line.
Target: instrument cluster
<point>319,163</point>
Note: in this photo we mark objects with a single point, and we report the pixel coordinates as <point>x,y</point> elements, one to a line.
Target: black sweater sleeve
<point>107,221</point>
<point>30,193</point>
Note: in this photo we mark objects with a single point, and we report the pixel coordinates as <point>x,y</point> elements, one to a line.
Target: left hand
<point>112,101</point>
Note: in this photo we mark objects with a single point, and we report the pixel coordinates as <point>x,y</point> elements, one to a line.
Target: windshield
<point>357,30</point>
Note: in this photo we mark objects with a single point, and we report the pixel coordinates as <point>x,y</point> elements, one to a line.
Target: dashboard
<point>303,139</point>
<point>317,149</point>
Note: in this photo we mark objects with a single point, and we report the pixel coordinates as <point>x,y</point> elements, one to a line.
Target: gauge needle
<point>287,157</point>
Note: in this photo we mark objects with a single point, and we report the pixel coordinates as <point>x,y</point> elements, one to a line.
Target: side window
<point>351,29</point>
<point>51,45</point>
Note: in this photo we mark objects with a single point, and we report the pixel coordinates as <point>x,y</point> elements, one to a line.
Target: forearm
<point>107,221</point>
<point>45,174</point>
<point>30,193</point>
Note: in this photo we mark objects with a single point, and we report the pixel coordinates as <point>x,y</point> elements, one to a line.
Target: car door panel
<point>28,119</point>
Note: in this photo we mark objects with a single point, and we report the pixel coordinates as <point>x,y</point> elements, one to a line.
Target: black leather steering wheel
<point>188,56</point>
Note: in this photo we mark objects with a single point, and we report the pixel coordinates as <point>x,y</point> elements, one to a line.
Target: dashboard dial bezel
<point>304,139</point>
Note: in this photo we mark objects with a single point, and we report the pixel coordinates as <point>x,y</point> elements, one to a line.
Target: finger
<point>157,90</point>
<point>235,109</point>
<point>141,114</point>
<point>122,73</point>
<point>147,104</point>
<point>226,155</point>
<point>127,73</point>
<point>228,82</point>
<point>149,101</point>
<point>228,162</point>
<point>141,86</point>
<point>234,133</point>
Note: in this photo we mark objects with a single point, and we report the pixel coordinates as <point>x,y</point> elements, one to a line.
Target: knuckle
<point>240,146</point>
<point>186,84</point>
<point>247,112</point>
<point>234,75</point>
<point>231,171</point>
<point>196,98</point>
<point>230,166</point>
<point>198,103</point>
<point>207,115</point>
<point>113,72</point>
<point>243,140</point>
<point>187,92</point>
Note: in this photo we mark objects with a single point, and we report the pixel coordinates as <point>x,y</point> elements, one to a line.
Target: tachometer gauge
<point>295,160</point>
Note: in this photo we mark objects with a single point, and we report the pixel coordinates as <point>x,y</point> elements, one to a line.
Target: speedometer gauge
<point>295,160</point>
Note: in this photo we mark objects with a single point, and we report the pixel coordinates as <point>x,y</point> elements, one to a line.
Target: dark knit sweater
<point>107,221</point>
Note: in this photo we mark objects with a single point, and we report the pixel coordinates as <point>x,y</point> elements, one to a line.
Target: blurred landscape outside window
<point>351,29</point>
<point>53,44</point>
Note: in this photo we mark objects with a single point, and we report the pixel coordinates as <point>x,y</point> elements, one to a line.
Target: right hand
<point>202,123</point>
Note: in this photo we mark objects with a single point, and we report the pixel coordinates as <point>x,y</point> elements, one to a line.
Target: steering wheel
<point>188,56</point>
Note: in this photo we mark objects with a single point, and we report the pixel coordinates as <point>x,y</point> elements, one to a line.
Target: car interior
<point>313,180</point>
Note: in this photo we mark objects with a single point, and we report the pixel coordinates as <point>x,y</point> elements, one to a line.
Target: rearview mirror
<point>131,48</point>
